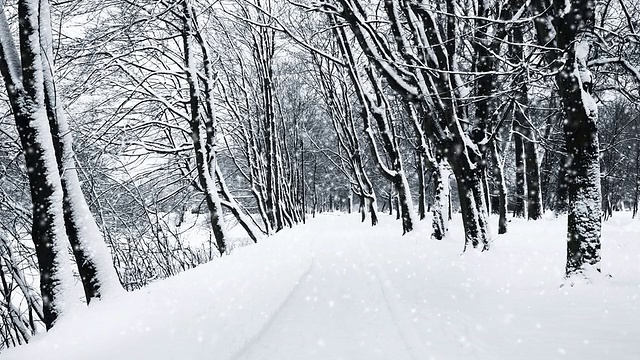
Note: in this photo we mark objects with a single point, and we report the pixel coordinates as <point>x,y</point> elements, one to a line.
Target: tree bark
<point>440,210</point>
<point>498,175</point>
<point>422,196</point>
<point>574,23</point>
<point>519,209</point>
<point>471,193</point>
<point>637,182</point>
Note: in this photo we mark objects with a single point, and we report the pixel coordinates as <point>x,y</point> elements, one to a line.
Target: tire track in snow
<point>410,332</point>
<point>251,341</point>
<point>405,328</point>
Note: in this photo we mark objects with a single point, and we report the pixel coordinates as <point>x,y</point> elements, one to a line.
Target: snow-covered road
<point>339,289</point>
<point>341,309</point>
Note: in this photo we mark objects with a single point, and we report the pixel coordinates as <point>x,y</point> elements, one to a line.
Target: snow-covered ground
<point>339,289</point>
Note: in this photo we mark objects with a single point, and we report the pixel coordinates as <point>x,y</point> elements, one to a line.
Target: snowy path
<point>339,289</point>
<point>339,312</point>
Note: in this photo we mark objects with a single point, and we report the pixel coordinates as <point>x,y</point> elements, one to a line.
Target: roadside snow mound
<point>339,289</point>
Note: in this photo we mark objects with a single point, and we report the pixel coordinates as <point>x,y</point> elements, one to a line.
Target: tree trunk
<point>390,198</point>
<point>23,78</point>
<point>315,185</point>
<point>422,196</point>
<point>547,167</point>
<point>637,182</point>
<point>48,229</point>
<point>92,255</point>
<point>246,221</point>
<point>532,166</point>
<point>561,203</point>
<point>204,159</point>
<point>573,26</point>
<point>498,176</point>
<point>405,202</point>
<point>520,195</point>
<point>440,210</point>
<point>397,205</point>
<point>362,208</point>
<point>471,193</point>
<point>373,208</point>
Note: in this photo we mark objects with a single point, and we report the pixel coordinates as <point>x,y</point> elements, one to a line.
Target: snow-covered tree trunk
<point>24,79</point>
<point>99,278</point>
<point>263,53</point>
<point>210,125</point>
<point>574,23</point>
<point>441,189</point>
<point>244,220</point>
<point>205,160</point>
<point>485,86</point>
<point>472,207</point>
<point>381,114</point>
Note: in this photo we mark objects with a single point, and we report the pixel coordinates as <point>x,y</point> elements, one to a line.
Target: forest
<point>140,139</point>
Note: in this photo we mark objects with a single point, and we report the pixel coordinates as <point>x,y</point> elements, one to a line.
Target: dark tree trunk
<point>441,200</point>
<point>47,229</point>
<point>422,196</point>
<point>534,197</point>
<point>547,169</point>
<point>404,208</point>
<point>500,187</point>
<point>520,195</point>
<point>373,211</point>
<point>472,207</point>
<point>390,199</point>
<point>561,203</point>
<point>397,205</point>
<point>573,27</point>
<point>637,182</point>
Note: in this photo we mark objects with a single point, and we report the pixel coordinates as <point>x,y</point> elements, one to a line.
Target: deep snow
<point>340,289</point>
